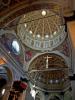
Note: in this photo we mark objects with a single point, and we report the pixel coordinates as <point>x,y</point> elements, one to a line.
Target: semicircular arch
<point>24,8</point>
<point>50,53</point>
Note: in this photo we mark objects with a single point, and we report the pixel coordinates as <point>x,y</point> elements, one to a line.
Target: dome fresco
<point>41,29</point>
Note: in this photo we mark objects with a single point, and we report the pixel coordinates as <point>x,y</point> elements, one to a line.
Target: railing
<point>45,44</point>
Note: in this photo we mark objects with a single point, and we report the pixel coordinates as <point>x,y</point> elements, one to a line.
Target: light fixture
<point>38,35</point>
<point>51,81</point>
<point>56,81</point>
<point>46,36</point>
<point>55,33</point>
<point>3,91</point>
<point>63,79</point>
<point>30,32</point>
<point>25,25</point>
<point>43,13</point>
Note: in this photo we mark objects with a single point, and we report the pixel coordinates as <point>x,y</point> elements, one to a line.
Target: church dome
<point>41,29</point>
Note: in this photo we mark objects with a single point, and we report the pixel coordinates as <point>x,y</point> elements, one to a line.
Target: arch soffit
<point>23,7</point>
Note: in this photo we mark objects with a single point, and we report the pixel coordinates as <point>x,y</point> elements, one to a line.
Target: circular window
<point>15,47</point>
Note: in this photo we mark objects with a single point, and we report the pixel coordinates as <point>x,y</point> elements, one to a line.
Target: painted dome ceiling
<point>41,29</point>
